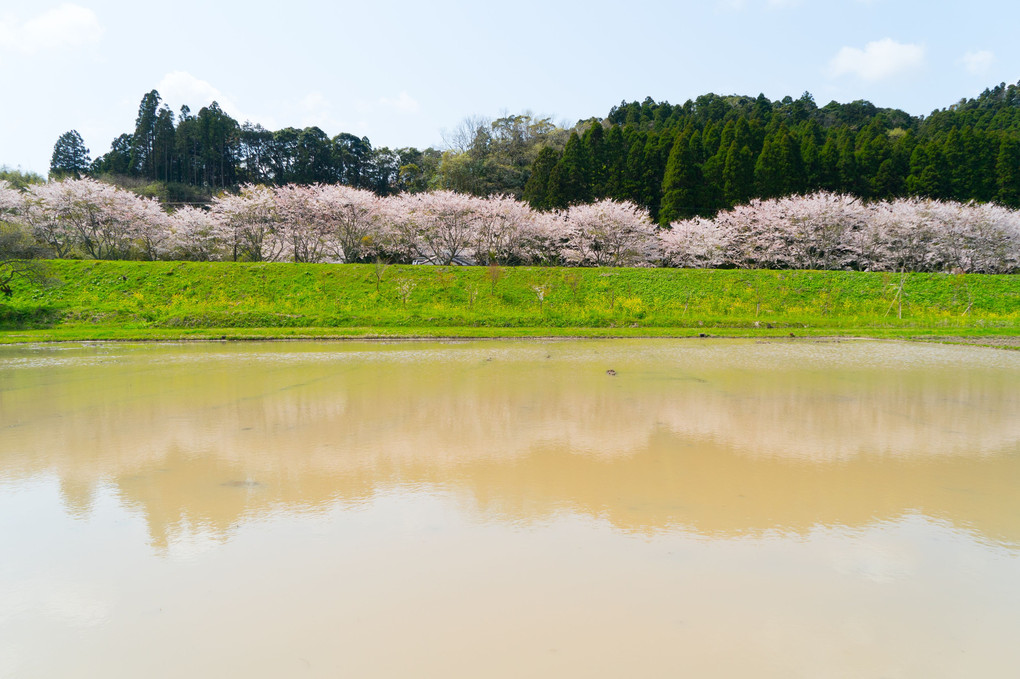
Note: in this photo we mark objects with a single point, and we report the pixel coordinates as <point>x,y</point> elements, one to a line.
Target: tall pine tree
<point>682,184</point>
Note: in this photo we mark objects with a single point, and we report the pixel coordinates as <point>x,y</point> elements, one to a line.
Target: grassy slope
<point>179,299</point>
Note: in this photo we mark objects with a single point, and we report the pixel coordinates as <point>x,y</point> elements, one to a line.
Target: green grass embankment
<point>165,300</point>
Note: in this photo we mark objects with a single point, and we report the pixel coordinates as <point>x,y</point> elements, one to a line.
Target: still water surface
<point>506,509</point>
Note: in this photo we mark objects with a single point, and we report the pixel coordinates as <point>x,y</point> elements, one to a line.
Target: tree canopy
<point>696,158</point>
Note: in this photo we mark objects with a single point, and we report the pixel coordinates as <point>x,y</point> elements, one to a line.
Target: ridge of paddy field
<point>177,300</point>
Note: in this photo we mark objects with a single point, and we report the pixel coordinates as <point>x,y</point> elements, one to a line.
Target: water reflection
<point>716,509</point>
<point>723,439</point>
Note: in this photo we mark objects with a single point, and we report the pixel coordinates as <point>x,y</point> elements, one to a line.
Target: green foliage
<point>1007,173</point>
<point>170,194</point>
<point>738,175</point>
<point>70,157</point>
<point>682,187</point>
<point>570,178</point>
<point>102,297</point>
<point>496,157</point>
<point>19,179</point>
<point>747,147</point>
<point>793,146</point>
<point>536,191</point>
<point>144,137</point>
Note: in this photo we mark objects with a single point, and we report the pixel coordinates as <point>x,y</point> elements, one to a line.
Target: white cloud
<point>66,27</point>
<point>979,62</point>
<point>878,60</point>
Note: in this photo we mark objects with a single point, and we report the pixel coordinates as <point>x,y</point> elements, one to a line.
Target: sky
<point>402,73</point>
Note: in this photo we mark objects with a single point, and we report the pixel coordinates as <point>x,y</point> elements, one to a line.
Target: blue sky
<point>402,72</point>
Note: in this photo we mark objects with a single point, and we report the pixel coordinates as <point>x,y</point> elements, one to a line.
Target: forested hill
<point>677,161</point>
<point>715,152</point>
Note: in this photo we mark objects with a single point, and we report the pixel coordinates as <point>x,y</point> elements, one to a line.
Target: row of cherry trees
<point>838,231</point>
<point>334,223</point>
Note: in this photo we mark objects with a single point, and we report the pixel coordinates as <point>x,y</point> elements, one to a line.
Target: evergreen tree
<point>927,172</point>
<point>982,156</point>
<point>846,165</point>
<point>218,134</point>
<point>957,178</point>
<point>919,159</point>
<point>888,181</point>
<point>727,136</point>
<point>163,147</point>
<point>569,180</point>
<point>70,157</point>
<point>811,163</point>
<point>872,149</point>
<point>932,183</point>
<point>762,110</point>
<point>657,150</point>
<point>633,189</point>
<point>712,198</point>
<point>828,163</point>
<point>537,189</point>
<point>747,136</point>
<point>598,167</point>
<point>616,164</point>
<point>313,161</point>
<point>1007,172</point>
<point>738,175</point>
<point>117,160</point>
<point>777,171</point>
<point>188,143</point>
<point>711,138</point>
<point>682,184</point>
<point>353,156</point>
<point>145,132</point>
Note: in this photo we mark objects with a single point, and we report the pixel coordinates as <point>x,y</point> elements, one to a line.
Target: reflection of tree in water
<point>204,493</point>
<point>714,445</point>
<point>668,483</point>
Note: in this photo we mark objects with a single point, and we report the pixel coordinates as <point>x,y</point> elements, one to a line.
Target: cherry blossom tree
<point>197,235</point>
<point>42,215</point>
<point>993,240</point>
<point>84,217</point>
<point>252,222</point>
<point>12,202</point>
<point>96,219</point>
<point>503,227</point>
<point>545,239</point>
<point>301,222</point>
<point>19,253</point>
<point>150,227</point>
<point>609,233</point>
<point>920,234</point>
<point>831,231</point>
<point>696,243</point>
<point>353,220</point>
<point>440,226</point>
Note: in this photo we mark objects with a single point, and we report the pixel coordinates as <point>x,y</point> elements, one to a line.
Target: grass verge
<point>98,300</point>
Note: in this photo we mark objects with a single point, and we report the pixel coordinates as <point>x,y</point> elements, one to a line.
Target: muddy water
<point>500,509</point>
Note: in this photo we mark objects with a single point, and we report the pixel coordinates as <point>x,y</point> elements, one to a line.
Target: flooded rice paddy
<point>644,508</point>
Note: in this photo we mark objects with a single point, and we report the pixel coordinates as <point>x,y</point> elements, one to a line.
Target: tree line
<point>212,150</point>
<point>675,161</point>
<point>714,153</point>
<point>336,223</point>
